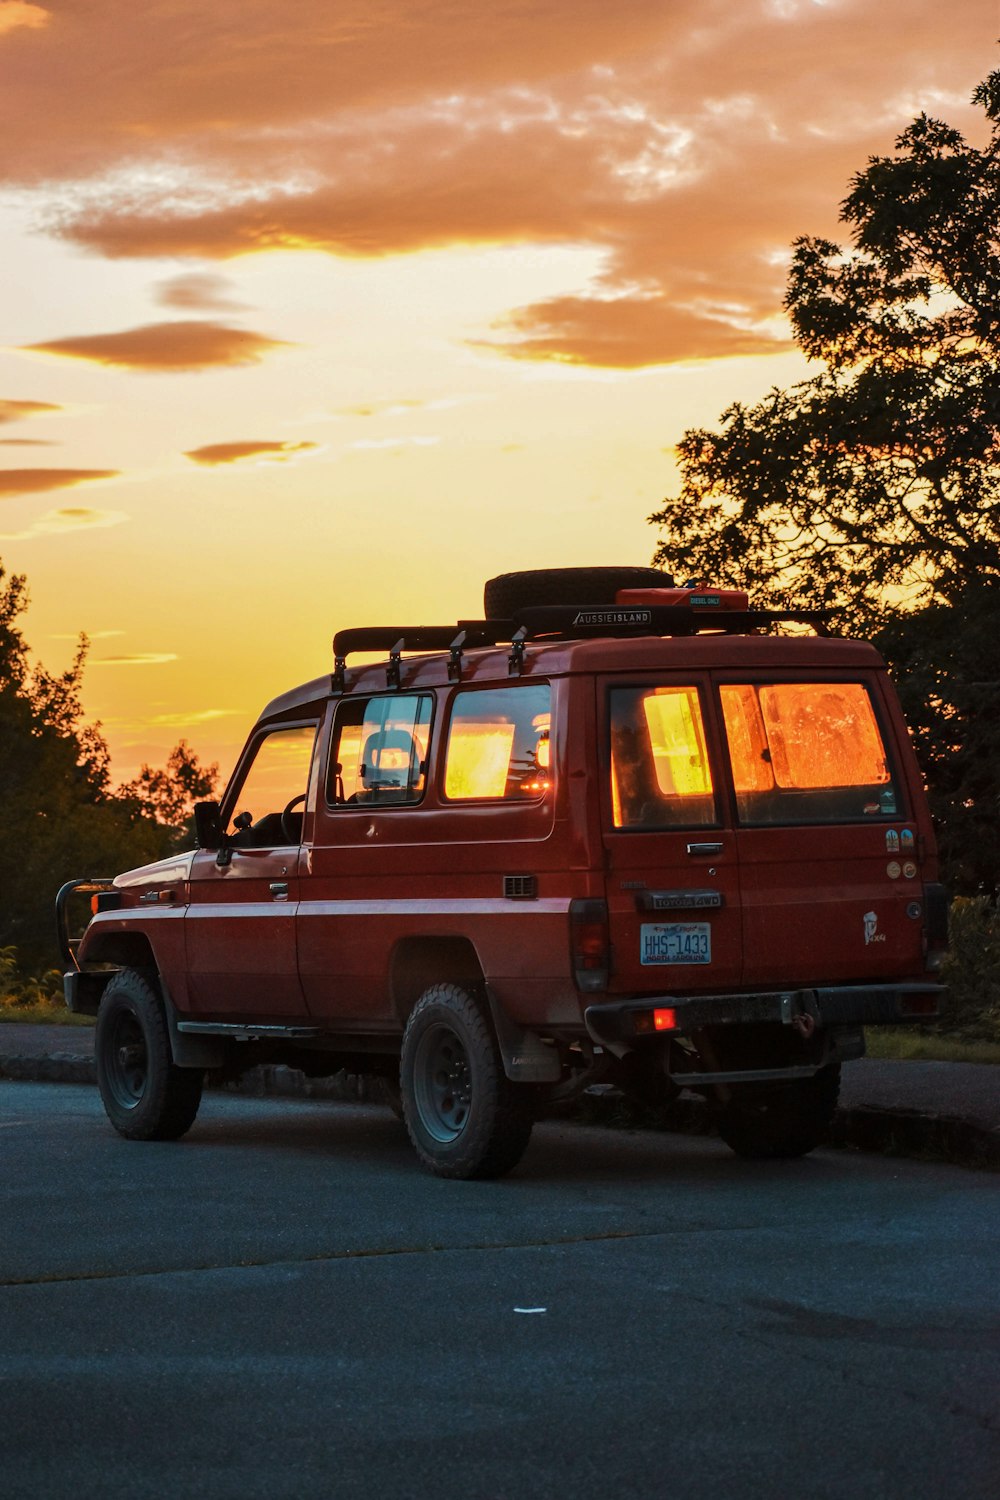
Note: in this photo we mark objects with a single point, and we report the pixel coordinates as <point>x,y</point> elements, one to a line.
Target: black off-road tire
<point>783,1120</point>
<point>464,1116</point>
<point>146,1097</point>
<point>504,595</point>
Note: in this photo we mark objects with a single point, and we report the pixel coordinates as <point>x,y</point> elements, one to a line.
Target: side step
<point>241,1032</point>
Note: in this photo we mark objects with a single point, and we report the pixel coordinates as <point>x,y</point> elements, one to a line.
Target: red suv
<point>614,831</point>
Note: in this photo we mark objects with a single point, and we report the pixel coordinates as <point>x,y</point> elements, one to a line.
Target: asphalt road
<point>284,1305</point>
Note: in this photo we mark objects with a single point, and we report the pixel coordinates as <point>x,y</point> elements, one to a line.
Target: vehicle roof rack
<point>552,622</point>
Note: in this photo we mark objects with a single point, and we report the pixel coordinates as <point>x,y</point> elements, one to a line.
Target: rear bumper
<point>613,1023</point>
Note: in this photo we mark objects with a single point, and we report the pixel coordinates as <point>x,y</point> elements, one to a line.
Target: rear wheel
<point>464,1116</point>
<point>509,592</point>
<point>781,1120</point>
<point>146,1097</point>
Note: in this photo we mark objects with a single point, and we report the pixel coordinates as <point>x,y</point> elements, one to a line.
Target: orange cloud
<point>625,333</point>
<point>36,481</point>
<point>689,143</point>
<point>231,453</point>
<point>183,345</point>
<point>16,411</point>
<point>198,291</point>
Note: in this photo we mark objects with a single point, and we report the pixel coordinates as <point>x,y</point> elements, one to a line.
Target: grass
<point>896,1044</point>
<point>40,1012</point>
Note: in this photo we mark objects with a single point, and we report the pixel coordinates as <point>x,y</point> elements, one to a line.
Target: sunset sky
<point>320,314</point>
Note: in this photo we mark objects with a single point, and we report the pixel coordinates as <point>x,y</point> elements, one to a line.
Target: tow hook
<point>804,1024</point>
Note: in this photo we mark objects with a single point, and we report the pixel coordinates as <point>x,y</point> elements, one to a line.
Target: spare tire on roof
<point>504,595</point>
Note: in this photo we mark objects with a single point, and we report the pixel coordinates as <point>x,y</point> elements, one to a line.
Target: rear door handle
<point>704,848</point>
<point>279,888</point>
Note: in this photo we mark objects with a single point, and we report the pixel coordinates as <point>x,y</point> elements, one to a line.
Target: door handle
<point>279,888</point>
<point>704,848</point>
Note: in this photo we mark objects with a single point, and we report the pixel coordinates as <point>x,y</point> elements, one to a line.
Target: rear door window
<point>661,776</point>
<point>807,752</point>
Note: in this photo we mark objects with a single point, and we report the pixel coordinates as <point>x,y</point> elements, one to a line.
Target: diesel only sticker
<point>675,943</point>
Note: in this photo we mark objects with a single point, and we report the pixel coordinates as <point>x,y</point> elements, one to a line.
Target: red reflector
<point>664,1020</point>
<point>918,1005</point>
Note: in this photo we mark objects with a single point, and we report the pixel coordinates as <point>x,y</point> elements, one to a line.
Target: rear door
<point>672,868</point>
<point>829,864</point>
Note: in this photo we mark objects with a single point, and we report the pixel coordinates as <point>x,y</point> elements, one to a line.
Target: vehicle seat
<point>390,767</point>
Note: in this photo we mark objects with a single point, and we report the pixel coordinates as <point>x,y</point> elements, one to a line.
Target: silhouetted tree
<point>59,816</point>
<point>874,486</point>
<point>168,795</point>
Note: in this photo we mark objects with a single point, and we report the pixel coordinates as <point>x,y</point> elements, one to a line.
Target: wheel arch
<point>417,963</point>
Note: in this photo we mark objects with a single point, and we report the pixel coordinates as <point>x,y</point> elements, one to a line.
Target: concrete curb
<point>890,1132</point>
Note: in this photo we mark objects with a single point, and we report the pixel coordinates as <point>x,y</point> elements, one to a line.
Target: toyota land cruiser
<point>613,831</point>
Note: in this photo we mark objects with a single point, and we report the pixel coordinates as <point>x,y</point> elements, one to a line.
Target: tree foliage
<point>874,486</point>
<point>60,817</point>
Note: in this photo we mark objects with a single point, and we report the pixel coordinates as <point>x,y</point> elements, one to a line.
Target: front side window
<point>660,771</point>
<point>379,752</point>
<point>498,745</point>
<point>274,789</point>
<point>807,752</point>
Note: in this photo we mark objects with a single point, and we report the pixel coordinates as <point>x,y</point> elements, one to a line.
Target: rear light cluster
<point>935,926</point>
<point>590,944</point>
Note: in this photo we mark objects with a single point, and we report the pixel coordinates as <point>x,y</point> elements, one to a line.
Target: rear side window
<point>807,752</point>
<point>498,745</point>
<point>660,772</point>
<point>379,752</point>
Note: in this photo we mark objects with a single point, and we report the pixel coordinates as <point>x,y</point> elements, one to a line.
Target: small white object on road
<point>531,1309</point>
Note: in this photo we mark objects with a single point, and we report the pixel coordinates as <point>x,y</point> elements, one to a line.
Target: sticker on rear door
<point>675,943</point>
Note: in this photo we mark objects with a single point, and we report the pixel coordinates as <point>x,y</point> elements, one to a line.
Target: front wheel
<point>785,1119</point>
<point>146,1097</point>
<point>464,1116</point>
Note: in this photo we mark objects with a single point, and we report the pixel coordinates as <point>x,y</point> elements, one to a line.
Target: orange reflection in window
<point>478,759</point>
<point>673,718</point>
<point>803,735</point>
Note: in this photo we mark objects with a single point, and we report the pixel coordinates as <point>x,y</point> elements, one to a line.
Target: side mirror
<point>208,825</point>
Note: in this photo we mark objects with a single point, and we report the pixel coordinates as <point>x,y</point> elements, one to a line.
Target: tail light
<point>648,1022</point>
<point>590,943</point>
<point>935,925</point>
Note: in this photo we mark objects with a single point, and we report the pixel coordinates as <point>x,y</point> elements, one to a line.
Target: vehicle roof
<point>489,665</point>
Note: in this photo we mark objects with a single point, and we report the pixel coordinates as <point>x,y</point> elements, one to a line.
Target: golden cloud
<point>36,481</point>
<point>231,453</point>
<point>135,659</point>
<point>689,143</point>
<point>74,518</point>
<point>185,345</point>
<point>19,13</point>
<point>16,411</point>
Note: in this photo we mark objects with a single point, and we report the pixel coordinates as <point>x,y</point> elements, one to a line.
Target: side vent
<point>520,887</point>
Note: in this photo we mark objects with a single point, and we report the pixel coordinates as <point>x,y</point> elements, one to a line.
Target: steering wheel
<point>286,820</point>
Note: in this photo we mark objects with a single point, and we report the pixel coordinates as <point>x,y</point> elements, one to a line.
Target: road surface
<point>283,1304</point>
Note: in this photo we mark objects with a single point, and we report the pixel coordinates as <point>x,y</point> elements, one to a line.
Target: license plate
<point>675,943</point>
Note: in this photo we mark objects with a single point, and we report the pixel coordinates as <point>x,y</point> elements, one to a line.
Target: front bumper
<point>612,1023</point>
